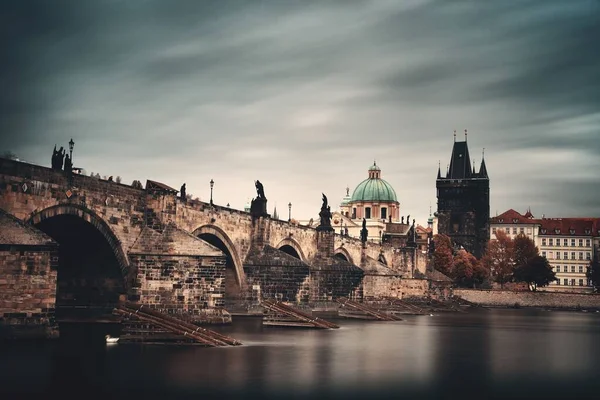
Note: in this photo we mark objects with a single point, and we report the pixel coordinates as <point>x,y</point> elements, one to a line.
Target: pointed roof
<point>460,162</point>
<point>172,241</point>
<point>483,170</point>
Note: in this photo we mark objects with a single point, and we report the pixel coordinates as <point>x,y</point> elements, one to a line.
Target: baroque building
<point>569,244</point>
<point>463,195</point>
<point>374,200</point>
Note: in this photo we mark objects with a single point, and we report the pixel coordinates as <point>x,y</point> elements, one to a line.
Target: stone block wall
<point>505,298</point>
<point>381,286</point>
<point>329,284</point>
<point>178,284</point>
<point>28,292</point>
<point>276,282</point>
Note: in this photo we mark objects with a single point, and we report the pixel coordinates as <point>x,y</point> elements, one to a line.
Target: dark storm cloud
<point>307,94</point>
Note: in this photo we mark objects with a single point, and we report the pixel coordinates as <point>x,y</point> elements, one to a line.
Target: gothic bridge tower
<point>464,201</point>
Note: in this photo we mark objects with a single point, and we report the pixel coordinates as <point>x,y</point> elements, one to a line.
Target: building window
<point>581,282</point>
<point>573,268</point>
<point>566,255</point>
<point>573,242</point>
<point>566,282</point>
<point>580,242</point>
<point>581,255</point>
<point>543,254</point>
<point>587,242</point>
<point>572,255</point>
<point>565,242</point>
<point>494,231</point>
<point>383,213</point>
<point>543,241</point>
<point>572,282</point>
<point>550,242</point>
<point>558,255</point>
<point>368,214</point>
<point>557,242</point>
<point>550,255</point>
<point>515,231</point>
<point>522,230</point>
<point>558,281</point>
<point>354,213</point>
<point>588,255</point>
<point>581,269</point>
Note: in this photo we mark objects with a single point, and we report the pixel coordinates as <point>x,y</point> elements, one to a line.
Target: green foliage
<point>593,273</point>
<point>524,250</point>
<point>536,273</point>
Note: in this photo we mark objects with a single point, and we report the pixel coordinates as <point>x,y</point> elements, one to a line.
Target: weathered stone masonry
<point>28,272</point>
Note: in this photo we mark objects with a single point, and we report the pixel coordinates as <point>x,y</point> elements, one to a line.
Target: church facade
<point>463,201</point>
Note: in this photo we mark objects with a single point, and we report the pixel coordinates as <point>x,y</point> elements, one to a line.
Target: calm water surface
<point>483,354</point>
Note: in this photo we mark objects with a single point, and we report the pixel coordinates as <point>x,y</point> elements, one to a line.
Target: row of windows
<point>566,282</point>
<point>368,213</point>
<point>566,268</point>
<point>514,230</point>
<point>551,255</point>
<point>566,242</point>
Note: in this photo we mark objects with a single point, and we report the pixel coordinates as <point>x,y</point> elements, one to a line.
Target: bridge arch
<point>292,247</point>
<point>91,217</point>
<point>93,273</point>
<point>342,253</point>
<point>217,237</point>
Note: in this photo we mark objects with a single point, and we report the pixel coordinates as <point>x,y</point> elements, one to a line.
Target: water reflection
<point>494,353</point>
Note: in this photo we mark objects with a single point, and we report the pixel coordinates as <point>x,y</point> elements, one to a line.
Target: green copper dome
<point>374,189</point>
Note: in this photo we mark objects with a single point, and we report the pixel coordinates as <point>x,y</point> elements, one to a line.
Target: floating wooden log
<point>289,316</point>
<point>174,325</point>
<point>369,311</point>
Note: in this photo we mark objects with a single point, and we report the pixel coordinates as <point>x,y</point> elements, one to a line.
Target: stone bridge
<point>117,242</point>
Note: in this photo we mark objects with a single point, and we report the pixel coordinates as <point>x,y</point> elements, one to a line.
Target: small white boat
<point>111,339</point>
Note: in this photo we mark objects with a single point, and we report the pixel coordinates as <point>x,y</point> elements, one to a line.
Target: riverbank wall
<point>507,298</point>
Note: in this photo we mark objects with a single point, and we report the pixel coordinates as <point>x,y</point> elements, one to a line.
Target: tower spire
<point>439,176</point>
<point>465,135</point>
<point>455,135</point>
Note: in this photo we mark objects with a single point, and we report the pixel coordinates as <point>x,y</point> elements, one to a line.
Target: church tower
<point>464,201</point>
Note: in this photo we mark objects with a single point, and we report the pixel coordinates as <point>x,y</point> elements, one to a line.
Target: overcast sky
<point>304,95</point>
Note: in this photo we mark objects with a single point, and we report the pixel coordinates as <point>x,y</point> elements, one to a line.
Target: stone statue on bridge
<point>364,232</point>
<point>68,167</point>
<point>58,158</point>
<point>258,206</point>
<point>325,215</point>
<point>182,193</point>
<point>260,190</point>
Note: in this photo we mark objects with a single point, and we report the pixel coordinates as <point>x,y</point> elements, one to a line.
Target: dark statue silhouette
<point>364,232</point>
<point>325,215</point>
<point>258,206</point>
<point>182,193</point>
<point>58,158</point>
<point>260,190</point>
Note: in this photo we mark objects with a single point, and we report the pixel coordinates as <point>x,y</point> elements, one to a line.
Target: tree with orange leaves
<point>499,258</point>
<point>442,255</point>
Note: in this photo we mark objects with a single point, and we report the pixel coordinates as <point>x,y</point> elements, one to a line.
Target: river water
<point>481,354</point>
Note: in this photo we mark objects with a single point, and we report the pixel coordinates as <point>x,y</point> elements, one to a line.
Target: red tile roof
<point>570,226</point>
<point>513,217</point>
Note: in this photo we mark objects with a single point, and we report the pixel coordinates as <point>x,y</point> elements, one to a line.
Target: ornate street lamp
<point>71,144</point>
<point>212,183</point>
<point>290,211</point>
